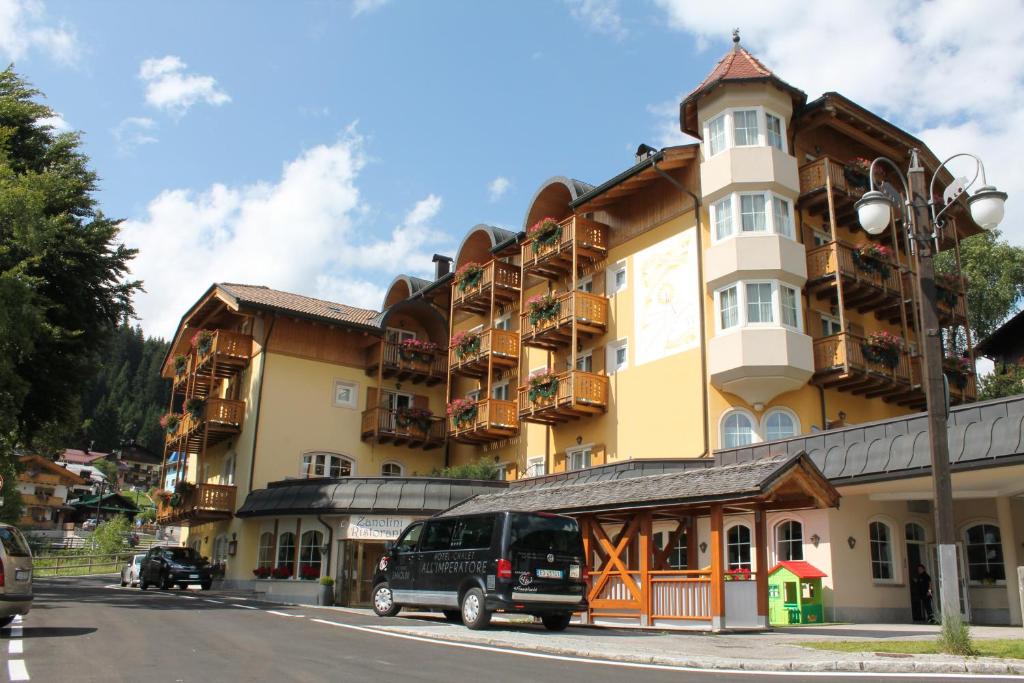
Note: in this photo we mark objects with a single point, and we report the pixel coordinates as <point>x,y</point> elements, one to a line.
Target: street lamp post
<point>924,221</point>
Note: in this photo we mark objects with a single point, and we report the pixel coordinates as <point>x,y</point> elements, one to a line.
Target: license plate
<point>549,573</point>
<point>21,574</point>
<point>193,576</point>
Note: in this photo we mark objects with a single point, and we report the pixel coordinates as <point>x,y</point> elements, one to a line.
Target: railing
<point>822,262</point>
<point>680,594</point>
<point>202,498</point>
<point>73,564</point>
<point>585,235</point>
<point>813,175</point>
<point>963,387</point>
<point>393,356</point>
<point>575,387</point>
<point>499,273</point>
<point>218,414</point>
<point>502,343</point>
<point>182,377</point>
<point>846,351</point>
<point>620,587</point>
<point>382,420</point>
<point>226,345</point>
<point>584,308</point>
<point>491,413</point>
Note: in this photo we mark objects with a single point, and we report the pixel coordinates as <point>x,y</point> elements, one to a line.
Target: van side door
<point>434,584</point>
<point>401,564</point>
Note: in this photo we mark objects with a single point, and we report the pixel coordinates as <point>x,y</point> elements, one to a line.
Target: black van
<point>473,565</point>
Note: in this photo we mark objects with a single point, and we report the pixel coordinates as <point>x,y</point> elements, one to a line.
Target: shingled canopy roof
<point>260,297</point>
<point>782,483</point>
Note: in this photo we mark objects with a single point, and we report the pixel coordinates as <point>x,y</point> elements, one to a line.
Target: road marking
<point>16,670</point>
<point>16,631</point>
<point>216,602</point>
<point>281,614</point>
<point>17,619</point>
<point>245,606</point>
<point>660,667</point>
<point>17,647</point>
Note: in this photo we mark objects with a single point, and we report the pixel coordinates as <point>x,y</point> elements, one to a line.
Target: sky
<point>322,147</point>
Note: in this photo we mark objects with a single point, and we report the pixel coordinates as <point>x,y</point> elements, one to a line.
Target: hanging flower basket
<point>874,258</point>
<point>461,411</point>
<point>957,371</point>
<point>543,387</point>
<point>195,407</point>
<point>202,341</point>
<point>469,276</point>
<point>465,344</point>
<point>180,363</point>
<point>169,422</point>
<point>422,350</point>
<point>545,233</point>
<point>409,417</point>
<point>947,289</point>
<point>542,307</point>
<point>882,348</point>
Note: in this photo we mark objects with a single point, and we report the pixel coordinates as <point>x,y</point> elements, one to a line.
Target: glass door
<point>359,562</point>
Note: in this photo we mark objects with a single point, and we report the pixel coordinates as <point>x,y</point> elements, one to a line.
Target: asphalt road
<point>89,629</point>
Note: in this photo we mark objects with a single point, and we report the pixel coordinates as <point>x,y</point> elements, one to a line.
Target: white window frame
<point>536,466</point>
<point>751,555</point>
<point>820,238</point>
<point>502,384</point>
<point>774,304</point>
<point>612,275</point>
<point>612,349</point>
<point>741,303</point>
<point>719,211</point>
<point>587,449</point>
<point>718,309</point>
<point>777,292</point>
<point>728,139</point>
<point>580,355</point>
<point>831,320</point>
<point>967,565</point>
<point>790,224</point>
<point>398,334</point>
<point>306,470</point>
<point>736,220</point>
<point>502,468</point>
<point>755,436</point>
<point>473,395</point>
<point>768,131</point>
<point>894,569</point>
<point>353,387</point>
<point>228,470</point>
<point>709,150</point>
<point>775,537</point>
<point>759,128</point>
<point>392,463</point>
<point>783,411</point>
<point>587,281</point>
<point>503,322</point>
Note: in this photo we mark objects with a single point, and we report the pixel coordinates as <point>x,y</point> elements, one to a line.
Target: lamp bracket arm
<point>979,171</point>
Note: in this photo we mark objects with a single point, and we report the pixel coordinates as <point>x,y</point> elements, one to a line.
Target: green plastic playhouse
<point>794,594</point>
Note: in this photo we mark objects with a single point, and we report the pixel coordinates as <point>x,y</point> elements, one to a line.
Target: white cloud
<point>170,88</point>
<point>300,233</point>
<point>667,133</point>
<point>497,188</point>
<point>948,71</point>
<point>57,122</point>
<point>366,6</point>
<point>601,16</point>
<point>133,132</point>
<point>24,29</point>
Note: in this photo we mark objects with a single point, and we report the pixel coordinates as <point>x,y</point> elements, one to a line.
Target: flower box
<point>947,289</point>
<point>469,276</point>
<point>542,308</point>
<point>281,572</point>
<point>739,575</point>
<point>545,233</point>
<point>882,348</point>
<point>169,422</point>
<point>873,258</point>
<point>465,344</point>
<point>180,363</point>
<point>543,387</point>
<point>309,573</point>
<point>202,341</point>
<point>957,371</point>
<point>195,407</point>
<point>413,417</point>
<point>422,350</point>
<point>461,411</point>
<point>262,572</point>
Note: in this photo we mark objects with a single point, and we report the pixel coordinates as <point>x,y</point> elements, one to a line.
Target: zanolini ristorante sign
<point>373,527</point>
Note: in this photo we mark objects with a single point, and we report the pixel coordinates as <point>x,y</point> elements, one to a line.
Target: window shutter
<point>419,401</point>
<point>597,455</point>
<point>371,397</point>
<point>558,463</point>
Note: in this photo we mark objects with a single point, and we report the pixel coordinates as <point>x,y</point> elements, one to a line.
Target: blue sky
<point>322,147</point>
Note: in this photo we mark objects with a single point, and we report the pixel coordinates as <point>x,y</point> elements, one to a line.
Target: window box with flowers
<point>856,172</point>
<point>545,233</point>
<point>543,387</point>
<point>542,308</point>
<point>957,371</point>
<point>194,407</point>
<point>182,491</point>
<point>873,258</point>
<point>180,364</point>
<point>882,348</point>
<point>469,276</point>
<point>202,341</point>
<point>169,422</point>
<point>465,344</point>
<point>309,573</point>
<point>281,572</point>
<point>416,418</point>
<point>739,574</point>
<point>462,411</point>
<point>421,350</point>
<point>262,572</point>
<point>947,289</point>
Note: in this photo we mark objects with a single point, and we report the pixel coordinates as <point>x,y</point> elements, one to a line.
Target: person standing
<point>921,594</point>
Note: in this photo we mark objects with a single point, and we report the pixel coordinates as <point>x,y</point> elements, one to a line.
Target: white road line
<point>17,619</point>
<point>661,667</point>
<point>245,606</point>
<point>216,602</point>
<point>16,631</point>
<point>284,614</point>
<point>16,647</point>
<point>16,670</point>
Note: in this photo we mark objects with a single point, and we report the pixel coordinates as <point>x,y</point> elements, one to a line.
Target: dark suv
<point>471,566</point>
<point>165,566</point>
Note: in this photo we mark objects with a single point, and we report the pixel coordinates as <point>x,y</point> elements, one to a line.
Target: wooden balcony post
<point>761,565</point>
<point>717,575</point>
<point>644,553</point>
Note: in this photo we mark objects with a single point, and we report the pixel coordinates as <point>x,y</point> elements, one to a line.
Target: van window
<point>407,543</point>
<point>536,533</point>
<point>14,542</point>
<point>438,535</point>
<point>474,532</point>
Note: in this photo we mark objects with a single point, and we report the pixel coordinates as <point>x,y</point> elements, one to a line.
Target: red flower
<point>546,223</point>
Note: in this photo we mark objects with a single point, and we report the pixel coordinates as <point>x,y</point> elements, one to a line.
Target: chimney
<point>442,266</point>
<point>643,152</point>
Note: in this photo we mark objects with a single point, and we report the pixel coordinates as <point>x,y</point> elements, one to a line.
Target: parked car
<point>90,524</point>
<point>15,574</point>
<point>165,566</point>
<point>130,572</point>
<point>471,566</point>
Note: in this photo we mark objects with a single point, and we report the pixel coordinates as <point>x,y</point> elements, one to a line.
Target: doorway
<point>917,554</point>
<point>358,562</point>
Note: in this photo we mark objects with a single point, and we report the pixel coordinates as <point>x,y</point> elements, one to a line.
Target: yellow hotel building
<point>714,303</point>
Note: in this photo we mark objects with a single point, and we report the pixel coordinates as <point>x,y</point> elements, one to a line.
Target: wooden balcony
<point>388,426</point>
<point>952,304</point>
<point>840,363</point>
<point>179,383</point>
<point>863,290</point>
<point>204,503</point>
<point>494,420</point>
<point>221,418</point>
<point>578,394</point>
<point>589,241</point>
<point>589,313</point>
<point>403,365</point>
<point>227,353</point>
<point>499,350</point>
<point>498,280</point>
<point>827,172</point>
<point>963,387</point>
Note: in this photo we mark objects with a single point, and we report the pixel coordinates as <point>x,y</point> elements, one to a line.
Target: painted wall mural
<point>666,298</point>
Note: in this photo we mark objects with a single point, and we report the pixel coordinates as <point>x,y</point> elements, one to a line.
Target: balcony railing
<point>201,504</point>
<point>963,386</point>
<point>497,279</point>
<point>588,311</point>
<point>180,381</point>
<point>220,418</point>
<point>840,363</point>
<point>499,348</point>
<point>226,354</point>
<point>394,426</point>
<point>403,364</point>
<point>864,288</point>
<point>847,186</point>
<point>577,394</point>
<point>553,259</point>
<point>493,420</point>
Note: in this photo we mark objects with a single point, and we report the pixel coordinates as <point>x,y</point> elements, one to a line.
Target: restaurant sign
<point>373,527</point>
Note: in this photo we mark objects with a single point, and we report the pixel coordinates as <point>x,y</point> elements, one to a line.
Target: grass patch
<point>1007,648</point>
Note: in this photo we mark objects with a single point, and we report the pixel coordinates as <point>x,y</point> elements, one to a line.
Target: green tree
<point>112,536</point>
<point>484,468</point>
<point>1007,381</point>
<point>63,284</point>
<point>108,469</point>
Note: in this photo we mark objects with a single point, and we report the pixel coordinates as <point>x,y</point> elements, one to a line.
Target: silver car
<point>15,574</point>
<point>130,572</point>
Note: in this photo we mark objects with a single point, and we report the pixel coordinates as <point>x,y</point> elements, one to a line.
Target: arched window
<point>266,550</point>
<point>737,429</point>
<point>984,554</point>
<point>325,465</point>
<point>391,469</point>
<point>779,424</point>
<point>196,544</point>
<point>220,549</point>
<point>789,540</point>
<point>737,544</point>
<point>286,553</point>
<point>881,551</point>
<point>914,533</point>
<point>309,555</point>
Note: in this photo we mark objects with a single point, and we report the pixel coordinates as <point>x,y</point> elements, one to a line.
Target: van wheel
<point>206,585</point>
<point>453,615</point>
<point>6,621</point>
<point>142,584</point>
<point>474,614</point>
<point>165,583</point>
<point>384,601</point>
<point>123,583</point>
<point>556,622</point>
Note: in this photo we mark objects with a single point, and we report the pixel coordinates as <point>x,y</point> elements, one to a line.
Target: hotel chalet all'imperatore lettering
<point>373,527</point>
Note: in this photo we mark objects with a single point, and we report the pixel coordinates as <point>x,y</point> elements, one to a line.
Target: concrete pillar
<point>1009,540</point>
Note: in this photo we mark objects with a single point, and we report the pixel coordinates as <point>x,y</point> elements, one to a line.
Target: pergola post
<point>717,577</point>
<point>588,557</point>
<point>761,565</point>
<point>644,553</point>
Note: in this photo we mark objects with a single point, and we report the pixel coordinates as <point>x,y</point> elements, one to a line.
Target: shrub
<point>955,637</point>
<point>112,536</point>
<point>484,468</point>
